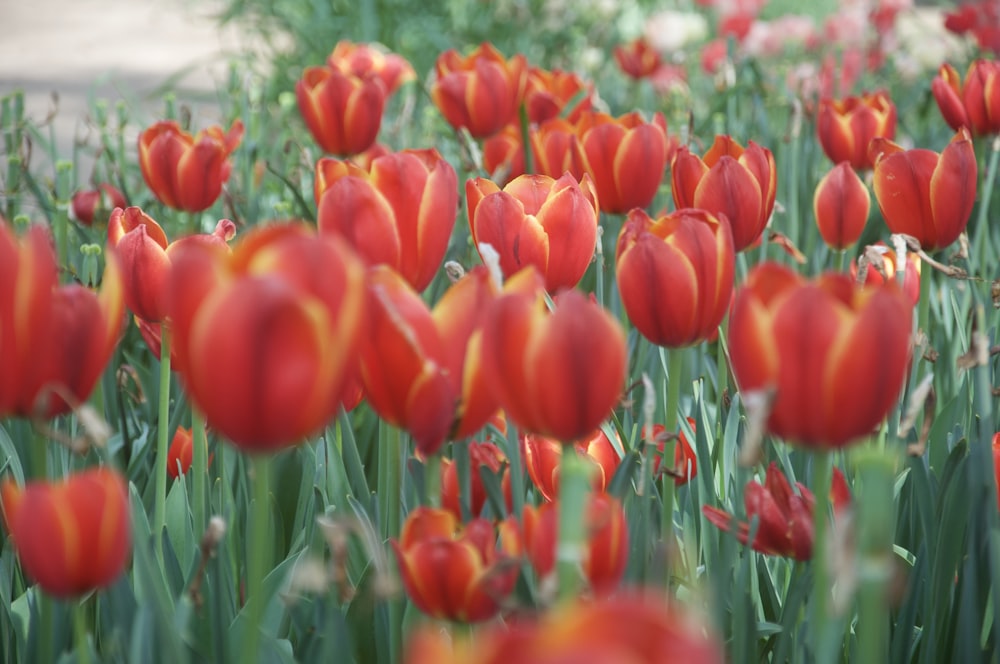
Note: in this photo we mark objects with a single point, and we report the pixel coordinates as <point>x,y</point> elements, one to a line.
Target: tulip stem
<point>875,555</point>
<point>258,562</point>
<point>432,479</point>
<point>390,487</point>
<point>574,485</point>
<point>672,360</point>
<point>818,615</point>
<point>840,260</point>
<point>80,633</point>
<point>529,162</point>
<point>463,468</point>
<point>162,441</point>
<point>199,469</point>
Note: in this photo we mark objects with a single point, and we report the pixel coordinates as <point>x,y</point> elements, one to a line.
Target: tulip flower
<point>89,204</point>
<point>422,370</point>
<point>399,213</point>
<point>54,340</point>
<point>267,337</point>
<point>547,94</point>
<point>846,126</point>
<point>911,276</point>
<point>342,111</point>
<point>685,462</point>
<point>187,172</point>
<point>534,359</point>
<point>503,155</point>
<point>675,274</point>
<point>975,104</point>
<point>535,220</point>
<point>626,157</point>
<point>542,457</point>
<point>144,251</point>
<point>555,147</point>
<point>181,453</point>
<point>841,205</point>
<point>981,19</point>
<point>730,181</point>
<point>364,59</point>
<point>785,518</point>
<point>72,536</point>
<point>926,194</point>
<point>451,572</point>
<point>637,59</point>
<point>836,356</point>
<point>480,92</point>
<point>482,457</point>
<point>606,551</point>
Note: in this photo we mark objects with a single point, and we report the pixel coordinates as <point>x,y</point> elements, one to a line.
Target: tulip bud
<point>841,204</point>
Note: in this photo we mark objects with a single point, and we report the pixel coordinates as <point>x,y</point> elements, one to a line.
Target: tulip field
<point>515,332</point>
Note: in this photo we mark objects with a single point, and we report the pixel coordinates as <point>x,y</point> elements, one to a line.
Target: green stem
<point>982,219</point>
<point>390,486</point>
<point>463,467</point>
<point>672,359</point>
<point>529,163</point>
<point>162,441</point>
<point>258,562</point>
<point>599,265</point>
<point>574,486</point>
<point>64,188</point>
<point>81,635</point>
<point>45,636</point>
<point>818,616</point>
<point>516,468</point>
<point>199,470</point>
<point>840,260</point>
<point>875,500</point>
<point>40,456</point>
<point>432,479</point>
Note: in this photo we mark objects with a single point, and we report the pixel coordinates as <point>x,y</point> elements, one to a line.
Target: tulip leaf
<point>494,491</point>
<point>179,526</point>
<point>11,461</point>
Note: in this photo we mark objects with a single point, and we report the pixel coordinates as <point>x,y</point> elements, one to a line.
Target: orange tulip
<point>926,194</point>
<point>675,274</point>
<point>481,456</point>
<point>364,59</point>
<point>421,369</point>
<point>535,220</point>
<point>72,536</point>
<point>836,355</point>
<point>480,92</point>
<point>847,126</point>
<point>503,155</point>
<point>911,277</point>
<point>187,172</point>
<point>454,573</point>
<point>89,204</point>
<point>342,111</point>
<point>548,92</point>
<point>555,147</point>
<point>54,340</point>
<point>267,336</point>
<point>542,457</point>
<point>728,180</point>
<point>181,453</point>
<point>626,157</point>
<point>785,518</point>
<point>557,374</point>
<point>841,205</point>
<point>399,213</point>
<point>974,105</point>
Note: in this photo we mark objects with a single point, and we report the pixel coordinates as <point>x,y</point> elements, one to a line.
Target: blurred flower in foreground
<point>187,172</point>
<point>841,204</point>
<point>785,526</point>
<point>71,536</point>
<point>54,340</point>
<point>267,336</point>
<point>925,194</point>
<point>846,126</point>
<point>343,111</point>
<point>975,104</point>
<point>911,280</point>
<point>834,355</point>
<point>364,59</point>
<point>542,458</point>
<point>623,628</point>
<point>454,572</point>
<point>97,203</point>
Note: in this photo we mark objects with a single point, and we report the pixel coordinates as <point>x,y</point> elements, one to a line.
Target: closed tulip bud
<point>739,184</point>
<point>452,572</point>
<point>398,213</point>
<point>72,536</point>
<point>626,157</point>
<point>542,457</point>
<point>483,457</point>
<point>54,340</point>
<point>298,304</point>
<point>533,359</point>
<point>548,93</point>
<point>925,194</point>
<point>480,92</point>
<point>97,203</point>
<point>181,453</point>
<point>975,104</point>
<point>835,355</point>
<point>675,274</point>
<point>846,126</point>
<point>342,111</point>
<point>364,59</point>
<point>187,172</point>
<point>535,220</point>
<point>637,59</point>
<point>841,205</point>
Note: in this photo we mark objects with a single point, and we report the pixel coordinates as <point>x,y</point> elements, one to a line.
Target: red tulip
<point>342,111</point>
<point>181,453</point>
<point>187,172</point>
<point>480,92</point>
<point>399,213</point>
<point>54,340</point>
<point>847,126</point>
<point>926,194</point>
<point>685,462</point>
<point>72,536</point>
<point>836,355</point>
<point>535,220</point>
<point>911,277</point>
<point>503,155</point>
<point>555,147</point>
<point>841,205</point>
<point>482,456</point>
<point>267,337</point>
<point>638,59</point>
<point>364,59</point>
<point>535,359</point>
<point>548,93</point>
<point>675,274</point>
<point>785,518</point>
<point>974,105</point>
<point>542,457</point>
<point>89,204</point>
<point>730,181</point>
<point>454,573</point>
